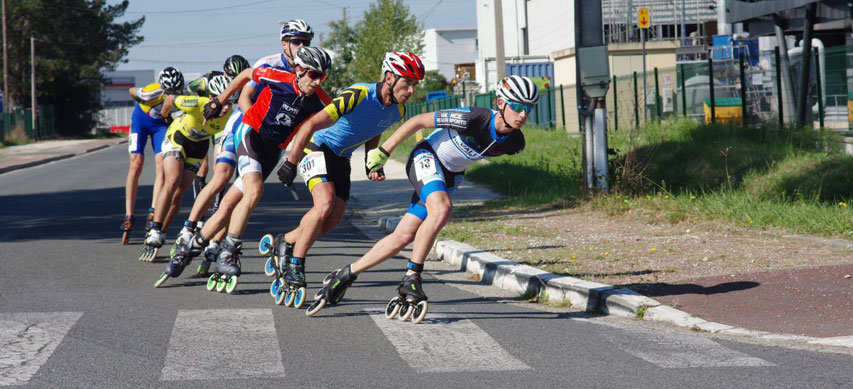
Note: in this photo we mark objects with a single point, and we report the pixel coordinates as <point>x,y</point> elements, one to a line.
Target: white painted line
<point>213,344</point>
<point>677,350</point>
<point>27,340</point>
<point>441,344</point>
<point>844,341</point>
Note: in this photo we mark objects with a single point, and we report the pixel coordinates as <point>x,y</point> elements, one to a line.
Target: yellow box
<point>728,110</point>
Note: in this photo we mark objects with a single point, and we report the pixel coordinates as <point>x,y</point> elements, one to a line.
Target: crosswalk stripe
<point>443,344</point>
<point>675,350</point>
<point>223,344</point>
<point>28,339</point>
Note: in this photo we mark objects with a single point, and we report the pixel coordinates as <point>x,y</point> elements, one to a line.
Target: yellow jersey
<point>190,124</point>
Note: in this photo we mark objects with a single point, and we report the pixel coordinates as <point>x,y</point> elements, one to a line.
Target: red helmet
<point>403,65</point>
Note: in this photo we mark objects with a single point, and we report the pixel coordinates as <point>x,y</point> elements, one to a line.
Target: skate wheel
<point>269,267</point>
<point>299,297</point>
<point>154,253</point>
<point>125,237</point>
<point>289,296</point>
<point>230,285</point>
<point>329,277</point>
<point>145,252</point>
<point>265,245</point>
<point>319,294</point>
<point>392,308</point>
<point>420,311</point>
<point>315,307</point>
<point>275,286</point>
<point>279,296</point>
<point>202,268</point>
<point>211,282</point>
<point>406,311</point>
<point>161,280</point>
<point>220,283</point>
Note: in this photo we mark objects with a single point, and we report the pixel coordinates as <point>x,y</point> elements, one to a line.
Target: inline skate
<point>211,252</point>
<point>182,253</point>
<point>411,302</point>
<point>126,227</point>
<point>291,287</point>
<point>227,268</point>
<point>333,291</point>
<point>153,241</point>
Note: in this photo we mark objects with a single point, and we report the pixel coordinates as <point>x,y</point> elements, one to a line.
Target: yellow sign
<point>643,18</point>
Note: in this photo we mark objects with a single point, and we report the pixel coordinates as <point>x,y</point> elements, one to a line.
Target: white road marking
<point>440,344</point>
<point>221,344</point>
<point>27,340</point>
<point>674,350</point>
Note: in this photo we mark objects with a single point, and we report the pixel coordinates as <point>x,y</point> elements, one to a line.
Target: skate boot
<point>153,241</point>
<point>293,292</point>
<point>411,302</point>
<point>126,226</point>
<point>211,252</point>
<point>227,268</point>
<point>182,254</point>
<point>149,219</point>
<point>334,291</point>
<point>184,236</point>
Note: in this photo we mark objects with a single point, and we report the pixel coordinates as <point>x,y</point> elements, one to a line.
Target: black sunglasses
<point>300,42</point>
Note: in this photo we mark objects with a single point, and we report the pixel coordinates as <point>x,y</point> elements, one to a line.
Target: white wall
<point>120,81</point>
<point>551,26</point>
<point>443,48</point>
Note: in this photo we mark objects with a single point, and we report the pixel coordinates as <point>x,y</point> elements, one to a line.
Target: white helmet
<point>518,89</point>
<point>171,79</point>
<point>313,58</point>
<point>217,85</point>
<point>298,28</point>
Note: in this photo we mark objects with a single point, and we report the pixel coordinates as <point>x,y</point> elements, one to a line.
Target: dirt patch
<point>635,248</point>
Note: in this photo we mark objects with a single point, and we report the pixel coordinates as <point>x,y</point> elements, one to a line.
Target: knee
<point>252,194</point>
<point>324,208</point>
<point>136,166</point>
<point>403,238</point>
<point>440,214</point>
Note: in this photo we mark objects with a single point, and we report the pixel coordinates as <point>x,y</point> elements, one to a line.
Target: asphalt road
<point>78,310</point>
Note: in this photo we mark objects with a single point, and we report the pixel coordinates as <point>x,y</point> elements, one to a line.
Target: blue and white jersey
<point>465,135</point>
<point>360,116</point>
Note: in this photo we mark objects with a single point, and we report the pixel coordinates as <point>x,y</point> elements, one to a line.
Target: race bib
<point>132,140</point>
<point>426,170</point>
<point>312,165</point>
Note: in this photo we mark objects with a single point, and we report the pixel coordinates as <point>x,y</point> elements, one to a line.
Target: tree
<point>387,26</point>
<point>433,81</point>
<point>76,42</point>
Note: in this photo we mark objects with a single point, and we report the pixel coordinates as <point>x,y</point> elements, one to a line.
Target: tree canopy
<point>76,42</point>
<point>387,25</point>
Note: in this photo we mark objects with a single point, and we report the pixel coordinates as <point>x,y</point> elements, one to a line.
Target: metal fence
<point>20,121</point>
<point>732,87</point>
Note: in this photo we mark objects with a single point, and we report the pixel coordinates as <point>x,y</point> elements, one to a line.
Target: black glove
<point>287,173</point>
<point>212,109</point>
<point>198,185</point>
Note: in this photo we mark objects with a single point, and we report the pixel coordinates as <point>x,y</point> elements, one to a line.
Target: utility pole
<point>500,58</point>
<point>33,85</point>
<point>5,63</point>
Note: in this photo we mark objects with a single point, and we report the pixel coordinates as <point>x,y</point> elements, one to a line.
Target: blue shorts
<point>226,147</point>
<point>428,176</point>
<point>141,127</point>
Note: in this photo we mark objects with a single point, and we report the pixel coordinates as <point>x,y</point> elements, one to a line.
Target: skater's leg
<point>439,209</point>
<point>215,227</point>
<point>158,178</point>
<point>221,174</point>
<point>173,169</point>
<point>253,189</point>
<point>325,202</point>
<point>390,245</point>
<point>177,197</point>
<point>131,186</point>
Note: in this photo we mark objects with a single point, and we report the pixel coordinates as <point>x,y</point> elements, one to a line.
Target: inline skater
<point>435,167</point>
<point>184,147</point>
<point>357,116</point>
<point>286,101</point>
<point>148,120</point>
<point>232,67</point>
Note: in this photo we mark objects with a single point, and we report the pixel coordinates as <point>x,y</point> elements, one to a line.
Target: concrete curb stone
<point>591,296</point>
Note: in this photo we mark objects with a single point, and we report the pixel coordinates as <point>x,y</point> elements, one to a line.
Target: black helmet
<point>313,58</point>
<point>234,65</point>
<point>171,79</point>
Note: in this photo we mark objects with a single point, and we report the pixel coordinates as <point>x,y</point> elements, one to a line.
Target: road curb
<point>25,165</point>
<point>529,281</point>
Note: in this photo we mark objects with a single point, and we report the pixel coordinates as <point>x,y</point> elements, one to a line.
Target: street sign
<point>643,18</point>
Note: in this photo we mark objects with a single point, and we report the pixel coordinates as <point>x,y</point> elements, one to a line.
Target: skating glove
<point>287,173</point>
<point>375,159</point>
<point>212,109</point>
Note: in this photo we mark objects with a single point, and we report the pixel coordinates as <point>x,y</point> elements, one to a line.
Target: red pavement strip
<point>815,302</point>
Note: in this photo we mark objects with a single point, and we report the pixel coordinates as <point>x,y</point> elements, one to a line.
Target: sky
<point>197,36</point>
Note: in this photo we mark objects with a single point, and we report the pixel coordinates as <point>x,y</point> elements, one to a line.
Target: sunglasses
<point>315,75</point>
<point>300,42</point>
<point>518,107</point>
